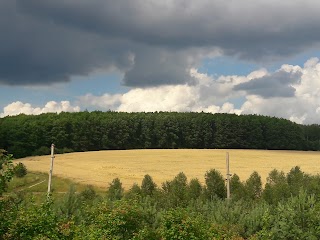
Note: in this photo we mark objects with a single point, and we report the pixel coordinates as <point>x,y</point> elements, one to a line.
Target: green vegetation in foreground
<point>287,207</point>
<point>37,183</point>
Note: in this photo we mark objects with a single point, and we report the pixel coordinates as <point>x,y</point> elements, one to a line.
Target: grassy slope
<point>37,182</point>
<point>99,168</point>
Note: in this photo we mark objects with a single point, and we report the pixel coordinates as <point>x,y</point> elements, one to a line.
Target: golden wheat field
<point>101,167</point>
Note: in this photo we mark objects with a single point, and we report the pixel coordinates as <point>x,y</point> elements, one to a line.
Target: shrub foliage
<point>178,210</point>
<point>20,170</point>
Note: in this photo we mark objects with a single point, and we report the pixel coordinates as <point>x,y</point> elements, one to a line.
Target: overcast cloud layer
<point>214,95</point>
<point>152,42</point>
<point>158,48</point>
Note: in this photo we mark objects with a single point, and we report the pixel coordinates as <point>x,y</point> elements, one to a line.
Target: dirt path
<point>32,185</point>
<point>36,184</point>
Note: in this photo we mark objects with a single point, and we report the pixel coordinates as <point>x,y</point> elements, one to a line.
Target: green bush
<point>253,186</point>
<point>148,186</point>
<point>9,212</point>
<point>88,193</point>
<point>6,170</point>
<point>276,188</point>
<point>215,184</point>
<point>194,189</point>
<point>35,222</point>
<point>176,191</point>
<point>70,204</point>
<point>134,192</point>
<point>236,187</point>
<point>296,180</point>
<point>42,151</point>
<point>295,218</point>
<point>20,170</point>
<point>115,190</point>
<point>179,224</point>
<point>121,220</point>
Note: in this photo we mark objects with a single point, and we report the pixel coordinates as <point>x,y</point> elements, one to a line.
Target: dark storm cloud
<point>278,84</point>
<point>44,41</point>
<point>33,51</point>
<point>153,66</point>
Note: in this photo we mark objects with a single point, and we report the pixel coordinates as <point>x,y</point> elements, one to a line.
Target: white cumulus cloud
<point>302,107</point>
<point>260,92</point>
<point>220,94</point>
<point>18,107</point>
<point>104,102</point>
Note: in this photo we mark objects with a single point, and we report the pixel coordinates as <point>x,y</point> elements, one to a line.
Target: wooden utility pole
<point>228,176</point>
<point>51,169</point>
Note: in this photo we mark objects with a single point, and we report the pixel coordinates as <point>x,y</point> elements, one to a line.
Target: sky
<point>243,57</point>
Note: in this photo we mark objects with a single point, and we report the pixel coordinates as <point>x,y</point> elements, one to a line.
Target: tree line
<point>26,135</point>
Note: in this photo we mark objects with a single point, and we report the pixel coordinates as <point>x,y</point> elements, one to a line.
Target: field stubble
<point>101,167</point>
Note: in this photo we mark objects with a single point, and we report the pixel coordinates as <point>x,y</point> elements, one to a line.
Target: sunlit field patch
<point>101,167</point>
